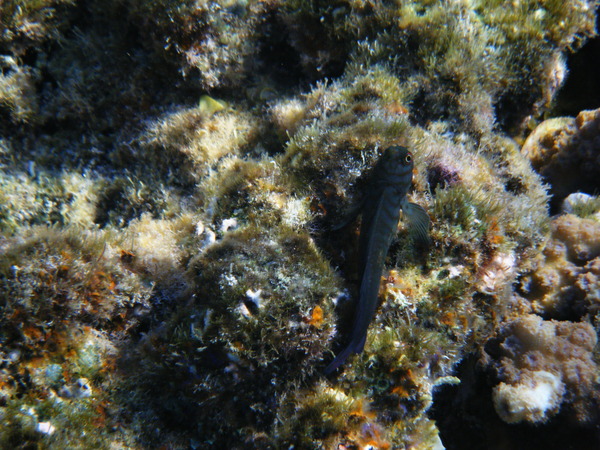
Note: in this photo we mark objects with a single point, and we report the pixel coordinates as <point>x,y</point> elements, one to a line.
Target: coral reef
<point>564,151</point>
<point>67,299</point>
<point>582,205</point>
<point>565,283</point>
<point>536,397</point>
<point>540,361</point>
<point>174,177</point>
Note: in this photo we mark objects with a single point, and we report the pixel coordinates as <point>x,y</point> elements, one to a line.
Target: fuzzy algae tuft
<point>172,270</point>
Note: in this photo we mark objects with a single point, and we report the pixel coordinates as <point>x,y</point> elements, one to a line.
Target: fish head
<point>397,159</point>
<point>395,167</point>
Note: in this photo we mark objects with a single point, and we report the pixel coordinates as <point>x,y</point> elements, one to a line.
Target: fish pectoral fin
<point>349,217</point>
<point>419,223</point>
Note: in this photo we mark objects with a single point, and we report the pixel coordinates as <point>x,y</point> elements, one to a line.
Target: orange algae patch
<point>394,287</point>
<point>33,333</point>
<point>368,432</point>
<point>449,319</point>
<point>316,317</point>
<point>400,391</point>
<point>126,256</point>
<point>361,409</point>
<point>109,365</point>
<point>396,108</point>
<point>101,415</point>
<point>454,320</point>
<point>371,435</point>
<point>404,385</point>
<point>494,232</point>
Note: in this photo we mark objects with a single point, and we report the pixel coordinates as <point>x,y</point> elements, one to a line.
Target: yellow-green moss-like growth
<point>208,264</point>
<point>63,294</point>
<point>259,324</point>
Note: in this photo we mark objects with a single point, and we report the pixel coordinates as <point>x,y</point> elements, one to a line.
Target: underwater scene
<point>299,224</point>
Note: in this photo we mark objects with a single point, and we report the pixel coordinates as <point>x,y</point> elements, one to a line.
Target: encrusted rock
<point>564,150</point>
<point>537,362</point>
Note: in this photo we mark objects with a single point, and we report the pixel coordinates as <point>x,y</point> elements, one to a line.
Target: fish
<point>385,198</point>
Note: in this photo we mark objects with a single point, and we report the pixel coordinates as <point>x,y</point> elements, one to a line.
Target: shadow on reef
<point>92,90</point>
<point>581,89</point>
<point>467,420</point>
<point>150,393</point>
<point>218,360</point>
<point>195,396</point>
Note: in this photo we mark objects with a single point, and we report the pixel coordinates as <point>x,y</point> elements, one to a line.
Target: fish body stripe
<point>381,232</point>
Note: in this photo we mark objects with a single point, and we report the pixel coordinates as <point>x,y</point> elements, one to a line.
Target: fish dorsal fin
<point>418,222</point>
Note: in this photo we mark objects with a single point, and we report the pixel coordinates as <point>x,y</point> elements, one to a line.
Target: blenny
<point>385,197</point>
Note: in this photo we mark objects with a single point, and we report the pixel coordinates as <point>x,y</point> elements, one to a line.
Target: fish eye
<point>408,158</point>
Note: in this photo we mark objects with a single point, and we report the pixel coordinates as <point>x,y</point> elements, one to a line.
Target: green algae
<point>193,244</point>
<point>587,208</point>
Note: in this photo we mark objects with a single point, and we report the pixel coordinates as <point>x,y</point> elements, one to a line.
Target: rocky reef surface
<point>173,274</point>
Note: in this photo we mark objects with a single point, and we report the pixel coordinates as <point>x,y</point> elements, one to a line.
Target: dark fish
<point>386,196</point>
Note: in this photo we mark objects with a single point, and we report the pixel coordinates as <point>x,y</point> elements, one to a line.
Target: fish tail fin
<point>340,359</point>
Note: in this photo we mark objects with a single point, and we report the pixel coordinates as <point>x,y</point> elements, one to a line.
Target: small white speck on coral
<point>229,224</point>
<point>45,428</point>
<point>500,269</point>
<point>254,296</point>
<point>455,271</point>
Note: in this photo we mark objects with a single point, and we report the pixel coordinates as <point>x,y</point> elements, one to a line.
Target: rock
<point>564,150</point>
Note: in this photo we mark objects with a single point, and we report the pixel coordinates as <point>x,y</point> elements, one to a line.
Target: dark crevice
<point>467,420</point>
